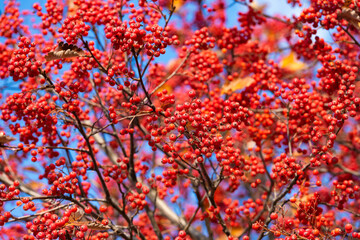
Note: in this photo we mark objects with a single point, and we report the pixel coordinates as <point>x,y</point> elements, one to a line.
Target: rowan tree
<point>170,119</point>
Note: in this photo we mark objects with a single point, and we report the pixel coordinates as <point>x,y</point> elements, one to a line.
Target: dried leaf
<point>76,216</point>
<point>347,3</point>
<point>65,50</point>
<point>237,84</point>
<point>5,139</point>
<point>258,6</point>
<point>291,63</point>
<point>250,145</point>
<point>91,225</point>
<point>97,226</point>
<point>271,235</point>
<point>351,16</point>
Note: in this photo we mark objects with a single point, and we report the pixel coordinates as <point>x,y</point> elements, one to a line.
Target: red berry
<point>273,216</point>
<point>103,208</point>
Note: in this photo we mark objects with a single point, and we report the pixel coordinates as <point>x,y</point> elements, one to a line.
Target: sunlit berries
<point>23,62</point>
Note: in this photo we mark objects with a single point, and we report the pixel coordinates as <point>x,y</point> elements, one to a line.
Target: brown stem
<point>141,78</point>
<point>278,199</point>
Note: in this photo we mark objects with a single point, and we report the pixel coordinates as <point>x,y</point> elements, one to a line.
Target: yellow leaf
<point>290,63</point>
<point>237,84</point>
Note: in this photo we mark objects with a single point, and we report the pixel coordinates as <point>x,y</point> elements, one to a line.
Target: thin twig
<point>278,199</point>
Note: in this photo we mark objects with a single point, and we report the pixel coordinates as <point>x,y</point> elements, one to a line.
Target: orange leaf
<point>290,63</point>
<point>166,87</point>
<point>72,8</point>
<point>177,4</point>
<point>235,231</point>
<point>31,169</point>
<point>35,185</point>
<point>237,84</point>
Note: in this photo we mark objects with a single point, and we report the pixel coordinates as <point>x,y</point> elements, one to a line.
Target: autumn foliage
<point>174,119</point>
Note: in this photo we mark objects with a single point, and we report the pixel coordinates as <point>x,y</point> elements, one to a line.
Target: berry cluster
<point>46,226</point>
<point>53,16</point>
<point>309,210</point>
<point>11,20</point>
<point>5,55</point>
<point>201,40</point>
<point>203,66</point>
<point>285,169</point>
<point>344,191</point>
<point>35,113</point>
<point>137,201</point>
<point>9,192</point>
<point>23,62</point>
<point>60,184</point>
<point>130,36</point>
<point>73,28</point>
